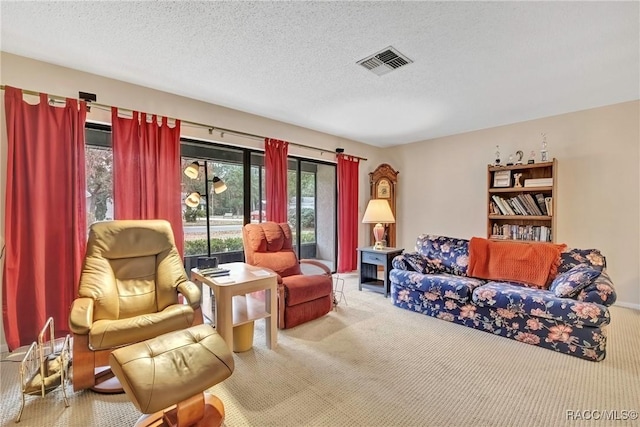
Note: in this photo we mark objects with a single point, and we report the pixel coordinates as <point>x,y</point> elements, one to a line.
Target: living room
<point>442,181</point>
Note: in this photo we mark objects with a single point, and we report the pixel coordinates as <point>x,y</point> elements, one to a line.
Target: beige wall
<point>442,181</point>
<point>442,185</point>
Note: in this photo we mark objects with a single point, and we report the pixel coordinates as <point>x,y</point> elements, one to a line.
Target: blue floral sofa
<point>570,317</point>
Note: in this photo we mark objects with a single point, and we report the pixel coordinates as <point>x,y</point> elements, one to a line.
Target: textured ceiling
<point>476,64</point>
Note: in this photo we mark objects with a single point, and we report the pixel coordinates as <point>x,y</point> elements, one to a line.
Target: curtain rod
<point>211,128</point>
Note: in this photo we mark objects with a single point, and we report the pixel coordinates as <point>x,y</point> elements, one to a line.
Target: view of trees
<point>99,174</point>
<point>231,201</point>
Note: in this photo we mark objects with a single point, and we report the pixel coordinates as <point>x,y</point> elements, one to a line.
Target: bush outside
<point>230,244</point>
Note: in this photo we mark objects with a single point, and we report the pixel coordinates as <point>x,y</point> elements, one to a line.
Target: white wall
<point>442,185</point>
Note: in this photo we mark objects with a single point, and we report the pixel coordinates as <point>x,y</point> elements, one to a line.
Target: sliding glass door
<point>212,218</point>
<point>213,203</point>
<point>311,210</point>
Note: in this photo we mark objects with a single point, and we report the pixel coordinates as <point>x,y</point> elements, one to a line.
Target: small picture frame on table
<point>502,179</point>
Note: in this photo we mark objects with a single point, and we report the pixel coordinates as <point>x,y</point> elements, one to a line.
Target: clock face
<point>384,189</point>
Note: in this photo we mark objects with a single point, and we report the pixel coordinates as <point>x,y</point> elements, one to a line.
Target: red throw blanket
<point>534,264</point>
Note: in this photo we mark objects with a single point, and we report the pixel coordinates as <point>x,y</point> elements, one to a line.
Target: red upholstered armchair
<point>301,298</point>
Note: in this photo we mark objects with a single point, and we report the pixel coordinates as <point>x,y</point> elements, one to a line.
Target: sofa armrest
<point>81,316</point>
<point>601,291</point>
<point>191,292</point>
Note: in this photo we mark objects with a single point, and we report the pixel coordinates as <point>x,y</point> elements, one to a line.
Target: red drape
<point>276,179</point>
<point>45,215</point>
<point>347,213</point>
<point>146,170</point>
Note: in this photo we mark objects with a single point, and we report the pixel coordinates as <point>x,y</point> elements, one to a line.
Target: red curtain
<point>276,179</point>
<point>146,170</point>
<point>45,215</point>
<point>347,213</point>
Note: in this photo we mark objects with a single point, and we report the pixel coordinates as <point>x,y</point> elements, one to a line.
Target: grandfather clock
<point>382,182</point>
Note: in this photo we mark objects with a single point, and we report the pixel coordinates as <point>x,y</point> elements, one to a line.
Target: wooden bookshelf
<point>520,213</point>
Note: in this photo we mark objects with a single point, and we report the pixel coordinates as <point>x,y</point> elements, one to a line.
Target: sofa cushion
<point>410,260</point>
<point>569,258</point>
<point>510,299</point>
<point>437,285</point>
<point>600,291</point>
<point>444,254</point>
<point>570,283</point>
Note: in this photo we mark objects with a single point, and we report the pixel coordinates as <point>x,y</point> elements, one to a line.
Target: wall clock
<point>384,189</point>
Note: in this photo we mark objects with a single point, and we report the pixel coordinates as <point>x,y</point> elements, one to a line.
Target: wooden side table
<point>369,260</point>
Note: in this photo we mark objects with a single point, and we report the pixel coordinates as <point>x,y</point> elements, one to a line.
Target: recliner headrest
<point>129,238</point>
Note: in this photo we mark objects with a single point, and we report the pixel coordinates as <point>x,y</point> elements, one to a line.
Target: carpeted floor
<point>372,364</point>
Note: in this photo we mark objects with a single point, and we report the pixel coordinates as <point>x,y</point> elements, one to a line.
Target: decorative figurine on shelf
<point>510,161</point>
<point>497,163</point>
<point>519,155</point>
<point>516,179</point>
<point>532,157</point>
<point>543,152</point>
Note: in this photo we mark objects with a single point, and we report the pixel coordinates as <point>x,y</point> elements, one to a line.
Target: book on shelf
<point>538,182</point>
<point>535,233</point>
<point>520,206</point>
<point>533,206</point>
<point>548,202</point>
<point>501,205</point>
<point>541,204</point>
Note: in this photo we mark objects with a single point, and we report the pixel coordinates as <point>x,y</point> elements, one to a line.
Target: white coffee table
<point>235,304</point>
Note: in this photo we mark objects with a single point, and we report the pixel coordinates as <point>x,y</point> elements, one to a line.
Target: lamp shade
<point>192,170</point>
<point>192,200</point>
<point>218,185</point>
<point>378,211</point>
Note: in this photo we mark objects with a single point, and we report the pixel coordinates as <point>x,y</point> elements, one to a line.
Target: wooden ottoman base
<point>204,410</point>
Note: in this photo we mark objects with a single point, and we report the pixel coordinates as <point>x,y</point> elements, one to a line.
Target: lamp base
<point>378,234</point>
<point>379,245</point>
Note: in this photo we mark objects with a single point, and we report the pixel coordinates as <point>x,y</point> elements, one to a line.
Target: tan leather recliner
<point>301,297</point>
<point>128,293</point>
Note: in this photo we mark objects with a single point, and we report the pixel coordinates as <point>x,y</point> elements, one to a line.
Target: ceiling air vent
<point>385,61</point>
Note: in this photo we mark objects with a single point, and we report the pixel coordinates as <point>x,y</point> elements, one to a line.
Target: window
<point>99,174</point>
<point>213,227</point>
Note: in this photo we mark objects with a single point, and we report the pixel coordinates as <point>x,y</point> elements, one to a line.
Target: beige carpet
<point>373,364</point>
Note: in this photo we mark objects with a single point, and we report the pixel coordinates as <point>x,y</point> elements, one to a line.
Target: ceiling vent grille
<point>385,61</point>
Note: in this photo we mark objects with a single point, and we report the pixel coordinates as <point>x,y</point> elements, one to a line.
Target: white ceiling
<point>476,64</point>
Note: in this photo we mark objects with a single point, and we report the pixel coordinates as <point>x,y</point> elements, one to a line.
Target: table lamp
<point>378,212</point>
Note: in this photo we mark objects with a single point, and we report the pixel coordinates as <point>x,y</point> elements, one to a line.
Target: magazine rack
<point>45,366</point>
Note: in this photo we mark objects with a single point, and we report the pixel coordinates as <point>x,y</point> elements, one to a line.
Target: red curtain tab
<point>45,215</point>
<point>276,179</point>
<point>146,170</point>
<point>347,213</point>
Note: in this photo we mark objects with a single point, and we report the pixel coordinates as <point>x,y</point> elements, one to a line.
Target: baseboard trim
<point>628,305</point>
